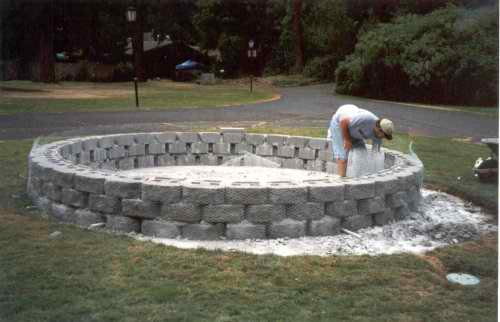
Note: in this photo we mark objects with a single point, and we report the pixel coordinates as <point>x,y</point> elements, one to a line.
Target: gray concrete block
<point>387,184</point>
<point>126,164</point>
<point>177,148</point>
<point>243,147</point>
<point>223,213</point>
<point>294,163</point>
<point>183,212</point>
<point>210,137</point>
<point>383,218</point>
<point>306,211</point>
<point>401,213</point>
<point>199,148</point>
<point>166,160</point>
<point>371,205</point>
<point>162,191</point>
<point>287,194</point>
<point>265,213</point>
<point>107,142</point>
<point>103,203</point>
<point>186,159</point>
<point>245,230</point>
<point>203,231</point>
<point>357,222</point>
<point>343,208</point>
<point>276,140</point>
<point>188,137</point>
<point>62,213</point>
<point>286,151</point>
<point>136,150</point>
<point>297,141</point>
<point>203,193</point>
<point>325,155</point>
<point>125,140</point>
<point>123,187</point>
<point>116,152</point>
<point>359,190</point>
<point>326,192</point>
<point>144,138</point>
<point>326,226</point>
<point>287,228</point>
<point>84,158</point>
<point>146,161</point>
<point>157,148</point>
<point>315,165</point>
<point>307,153</point>
<point>396,200</point>
<point>89,182</point>
<point>100,155</point>
<point>166,137</point>
<point>74,198</point>
<point>222,148</point>
<point>62,176</point>
<point>160,229</point>
<point>85,217</point>
<point>233,137</point>
<point>254,139</point>
<point>76,147</point>
<point>140,209</point>
<point>52,191</point>
<point>123,224</point>
<point>247,195</point>
<point>317,144</point>
<point>90,144</point>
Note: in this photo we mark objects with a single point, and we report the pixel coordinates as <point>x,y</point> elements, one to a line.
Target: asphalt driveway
<point>299,106</point>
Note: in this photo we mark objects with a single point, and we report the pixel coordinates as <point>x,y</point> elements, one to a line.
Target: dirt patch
<point>83,93</point>
<point>435,263</point>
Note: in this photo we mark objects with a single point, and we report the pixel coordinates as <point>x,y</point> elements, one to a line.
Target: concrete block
<point>286,151</point>
<point>103,203</point>
<point>76,147</point>
<point>199,148</point>
<point>162,191</point>
<point>166,137</point>
<point>243,147</point>
<point>245,230</point>
<point>125,140</point>
<point>287,228</point>
<point>89,182</point>
<point>188,137</point>
<point>144,138</point>
<point>100,155</point>
<point>177,148</point>
<point>157,148</point>
<point>247,195</point>
<point>326,192</point>
<point>183,212</point>
<point>233,137</point>
<point>265,213</point>
<point>317,144</point>
<point>315,165</point>
<point>222,148</point>
<point>307,153</point>
<point>116,152</point>
<point>401,213</point>
<point>84,158</point>
<point>287,194</point>
<point>396,200</point>
<point>123,187</point>
<point>210,137</point>
<point>357,222</point>
<point>186,159</point>
<point>85,217</point>
<point>388,184</point>
<point>306,211</point>
<point>203,193</point>
<point>203,231</point>
<point>140,209</point>
<point>254,139</point>
<point>160,229</point>
<point>276,140</point>
<point>414,195</point>
<point>54,192</point>
<point>126,164</point>
<point>123,224</point>
<point>343,208</point>
<point>297,141</point>
<point>74,198</point>
<point>383,218</point>
<point>107,142</point>
<point>223,213</point>
<point>359,190</point>
<point>294,163</point>
<point>62,213</point>
<point>326,226</point>
<point>146,161</point>
<point>325,155</point>
<point>62,176</point>
<point>136,150</point>
<point>371,205</point>
<point>166,160</point>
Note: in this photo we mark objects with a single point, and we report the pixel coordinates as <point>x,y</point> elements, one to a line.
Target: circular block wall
<point>82,181</point>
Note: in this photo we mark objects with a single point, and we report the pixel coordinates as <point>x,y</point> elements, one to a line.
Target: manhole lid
<point>462,279</point>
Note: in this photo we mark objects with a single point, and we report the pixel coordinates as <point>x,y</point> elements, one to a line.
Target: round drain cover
<point>462,279</point>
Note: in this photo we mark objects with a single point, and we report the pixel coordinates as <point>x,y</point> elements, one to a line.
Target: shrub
<point>321,67</point>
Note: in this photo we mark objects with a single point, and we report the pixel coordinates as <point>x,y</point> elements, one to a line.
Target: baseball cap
<point>387,127</point>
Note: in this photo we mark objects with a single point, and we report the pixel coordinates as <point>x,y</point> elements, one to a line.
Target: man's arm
<point>344,126</point>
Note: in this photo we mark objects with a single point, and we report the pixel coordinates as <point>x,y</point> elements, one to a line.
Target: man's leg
<point>341,167</point>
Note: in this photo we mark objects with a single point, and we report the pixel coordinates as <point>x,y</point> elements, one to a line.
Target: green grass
<point>91,276</point>
<point>292,80</point>
<point>25,96</point>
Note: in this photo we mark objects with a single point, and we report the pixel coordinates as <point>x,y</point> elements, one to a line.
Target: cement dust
<point>442,220</point>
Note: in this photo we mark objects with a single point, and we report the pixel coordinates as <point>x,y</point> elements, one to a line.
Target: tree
<point>299,35</point>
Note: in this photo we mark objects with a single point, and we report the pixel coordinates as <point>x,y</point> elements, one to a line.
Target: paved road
<point>299,106</point>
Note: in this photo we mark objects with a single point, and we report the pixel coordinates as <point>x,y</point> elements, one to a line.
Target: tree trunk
<point>138,45</point>
<point>46,46</point>
<point>299,36</point>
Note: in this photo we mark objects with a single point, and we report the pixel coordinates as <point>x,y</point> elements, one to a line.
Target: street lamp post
<point>252,55</point>
<point>131,18</point>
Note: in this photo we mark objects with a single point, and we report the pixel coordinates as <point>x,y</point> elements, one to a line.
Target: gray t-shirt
<point>361,124</point>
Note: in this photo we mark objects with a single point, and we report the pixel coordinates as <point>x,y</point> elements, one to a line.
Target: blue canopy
<point>188,64</point>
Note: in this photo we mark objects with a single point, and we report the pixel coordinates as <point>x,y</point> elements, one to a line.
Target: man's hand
<point>347,145</point>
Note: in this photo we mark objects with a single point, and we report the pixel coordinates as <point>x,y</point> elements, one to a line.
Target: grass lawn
<point>91,276</point>
<point>27,96</point>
